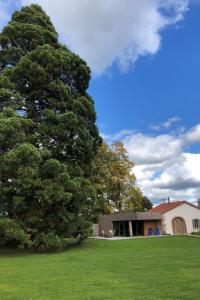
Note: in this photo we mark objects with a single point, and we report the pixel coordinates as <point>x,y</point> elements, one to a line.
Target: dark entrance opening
<point>138,228</point>
<point>121,228</point>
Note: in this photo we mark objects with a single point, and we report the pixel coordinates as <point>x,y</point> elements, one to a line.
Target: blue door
<point>157,231</point>
<point>150,231</point>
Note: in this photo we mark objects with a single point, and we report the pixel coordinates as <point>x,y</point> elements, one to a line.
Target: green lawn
<point>160,268</point>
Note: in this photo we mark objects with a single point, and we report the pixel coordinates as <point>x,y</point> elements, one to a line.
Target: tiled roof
<point>164,207</point>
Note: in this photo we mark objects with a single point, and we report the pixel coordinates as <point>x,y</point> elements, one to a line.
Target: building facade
<point>180,217</point>
<point>130,224</point>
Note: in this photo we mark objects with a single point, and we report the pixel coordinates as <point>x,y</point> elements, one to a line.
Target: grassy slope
<point>162,268</point>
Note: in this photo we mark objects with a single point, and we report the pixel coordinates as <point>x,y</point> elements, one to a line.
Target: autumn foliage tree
<point>48,135</point>
<point>115,182</point>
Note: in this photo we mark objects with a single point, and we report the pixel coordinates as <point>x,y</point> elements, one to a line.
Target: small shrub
<point>48,242</point>
<point>11,234</point>
<point>196,233</point>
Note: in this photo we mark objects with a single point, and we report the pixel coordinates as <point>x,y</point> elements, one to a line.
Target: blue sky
<point>158,87</point>
<point>145,61</point>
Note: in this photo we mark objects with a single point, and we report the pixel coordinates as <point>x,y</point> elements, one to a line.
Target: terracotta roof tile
<point>164,207</point>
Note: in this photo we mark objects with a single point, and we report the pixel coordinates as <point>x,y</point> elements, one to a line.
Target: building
<point>178,217</point>
<point>130,224</point>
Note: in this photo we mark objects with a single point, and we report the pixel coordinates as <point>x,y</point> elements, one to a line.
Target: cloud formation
<point>165,125</point>
<point>193,135</point>
<point>163,167</point>
<point>104,32</point>
<point>152,150</point>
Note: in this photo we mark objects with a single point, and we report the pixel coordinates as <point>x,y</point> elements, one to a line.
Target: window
<point>196,223</point>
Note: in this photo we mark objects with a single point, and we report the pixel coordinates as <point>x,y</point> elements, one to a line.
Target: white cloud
<point>155,127</point>
<point>152,150</point>
<point>193,135</point>
<point>171,121</point>
<point>108,31</point>
<point>163,167</point>
<point>179,179</point>
<point>165,125</point>
<point>181,176</point>
<point>111,138</point>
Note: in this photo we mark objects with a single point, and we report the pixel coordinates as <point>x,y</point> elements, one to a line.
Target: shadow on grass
<point>16,252</point>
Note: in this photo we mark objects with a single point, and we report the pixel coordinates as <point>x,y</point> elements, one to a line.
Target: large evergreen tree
<point>48,135</point>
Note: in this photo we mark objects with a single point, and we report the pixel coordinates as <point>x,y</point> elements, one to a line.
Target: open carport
<point>130,224</point>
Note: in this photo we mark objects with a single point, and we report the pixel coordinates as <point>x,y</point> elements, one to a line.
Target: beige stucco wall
<point>185,211</point>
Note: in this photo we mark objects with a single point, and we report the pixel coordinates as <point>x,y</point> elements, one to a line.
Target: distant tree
<point>146,203</point>
<point>48,136</point>
<point>133,202</point>
<point>114,181</point>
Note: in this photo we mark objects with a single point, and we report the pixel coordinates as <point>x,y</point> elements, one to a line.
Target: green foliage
<point>12,234</point>
<point>114,181</point>
<point>48,136</point>
<point>27,30</point>
<point>13,130</point>
<point>9,97</point>
<point>132,201</point>
<point>195,233</point>
<point>136,202</point>
<point>49,241</point>
<point>146,203</point>
<point>51,82</point>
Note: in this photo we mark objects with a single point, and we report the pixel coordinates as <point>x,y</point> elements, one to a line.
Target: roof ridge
<point>164,207</point>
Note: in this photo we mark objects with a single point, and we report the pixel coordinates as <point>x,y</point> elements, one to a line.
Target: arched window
<point>196,223</point>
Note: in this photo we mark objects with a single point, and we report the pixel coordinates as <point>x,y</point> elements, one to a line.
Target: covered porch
<point>136,228</point>
<point>130,225</point>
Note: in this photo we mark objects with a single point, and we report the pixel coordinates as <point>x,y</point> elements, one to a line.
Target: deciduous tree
<point>115,181</point>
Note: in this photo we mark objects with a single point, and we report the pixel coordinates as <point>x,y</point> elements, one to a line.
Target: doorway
<point>138,228</point>
<point>179,226</point>
<point>121,228</point>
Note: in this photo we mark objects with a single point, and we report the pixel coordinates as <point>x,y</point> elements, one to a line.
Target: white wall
<point>185,211</point>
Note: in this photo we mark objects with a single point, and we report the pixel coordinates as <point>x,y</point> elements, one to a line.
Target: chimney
<point>198,202</point>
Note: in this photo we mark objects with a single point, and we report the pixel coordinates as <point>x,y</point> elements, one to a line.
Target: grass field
<point>154,268</point>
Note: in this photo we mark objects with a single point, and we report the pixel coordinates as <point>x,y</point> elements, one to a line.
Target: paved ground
<point>133,237</point>
<point>124,238</point>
